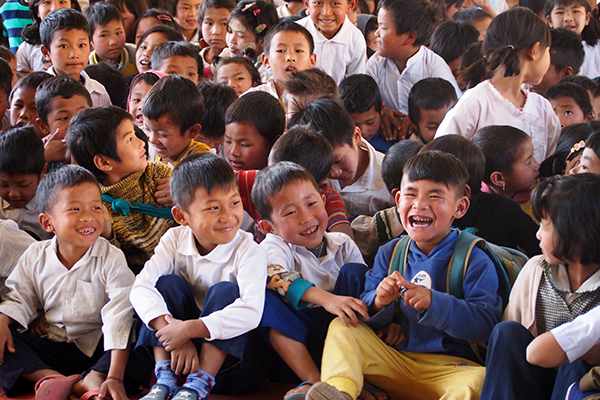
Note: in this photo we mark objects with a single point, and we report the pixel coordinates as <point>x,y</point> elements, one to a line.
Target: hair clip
<point>577,147</point>
<point>256,12</point>
<point>511,46</point>
<point>163,17</point>
<point>260,28</point>
<point>248,6</point>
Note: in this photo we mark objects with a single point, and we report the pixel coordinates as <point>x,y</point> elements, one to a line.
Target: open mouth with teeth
<point>310,231</point>
<point>419,222</point>
<point>87,231</point>
<point>291,70</point>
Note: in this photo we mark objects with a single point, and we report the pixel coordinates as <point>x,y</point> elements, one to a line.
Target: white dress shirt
<point>13,243</point>
<point>97,91</point>
<point>27,217</point>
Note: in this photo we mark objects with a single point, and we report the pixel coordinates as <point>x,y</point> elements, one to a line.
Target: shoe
<point>55,387</point>
<point>89,394</point>
<point>298,396</point>
<point>184,393</point>
<point>324,391</point>
<point>158,392</point>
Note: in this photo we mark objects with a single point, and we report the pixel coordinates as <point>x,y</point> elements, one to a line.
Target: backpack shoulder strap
<point>459,261</point>
<point>399,256</point>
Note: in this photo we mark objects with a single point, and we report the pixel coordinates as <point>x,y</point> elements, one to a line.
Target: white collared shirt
<point>13,243</point>
<point>97,91</point>
<point>322,272</point>
<point>395,85</point>
<point>268,87</point>
<point>368,194</point>
<point>241,261</point>
<point>343,55</point>
<point>591,62</point>
<point>80,304</point>
<point>27,217</point>
<point>577,337</point>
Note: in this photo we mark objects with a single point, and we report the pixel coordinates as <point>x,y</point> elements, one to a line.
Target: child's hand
<point>38,326</point>
<point>55,147</point>
<point>391,334</point>
<point>113,389</point>
<point>346,307</point>
<point>107,228</point>
<point>174,334</point>
<point>163,193</point>
<point>184,359</point>
<point>388,290</point>
<point>390,128</point>
<point>416,296</point>
<point>6,340</point>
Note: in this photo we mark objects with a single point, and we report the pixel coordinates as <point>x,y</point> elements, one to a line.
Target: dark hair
<point>463,149</point>
<point>150,78</point>
<point>163,16</point>
<point>6,54</point>
<point>29,82</point>
<point>93,132</point>
<point>392,166</point>
<point>64,18</point>
<point>438,167</point>
<point>269,122</point>
<point>574,91</point>
<point>217,99</point>
<point>62,86</point>
<point>310,83</point>
<point>205,170</point>
<point>572,203</point>
<point>471,15</point>
<point>21,151</point>
<point>593,143</point>
<point>510,32</point>
<point>31,33</point>
<point>271,181</point>
<point>206,4</point>
<point>164,98</point>
<point>6,75</point>
<point>566,50</point>
<point>591,32</point>
<point>169,49</point>
<point>288,26</point>
<point>584,81</point>
<point>327,117</point>
<point>419,16</point>
<point>258,16</point>
<point>111,79</point>
<point>501,146</point>
<point>65,177</point>
<point>135,7</point>
<point>359,93</point>
<point>316,155</point>
<point>472,56</point>
<point>100,14</point>
<point>171,34</point>
<point>537,6</point>
<point>429,94</point>
<point>244,62</point>
<point>451,39</point>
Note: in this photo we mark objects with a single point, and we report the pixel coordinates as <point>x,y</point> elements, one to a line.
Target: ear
<point>179,216</point>
<point>357,136</point>
<point>45,52</point>
<point>588,17</point>
<point>395,191</point>
<point>266,226</point>
<point>535,51</point>
<point>44,171</point>
<point>590,116</point>
<point>352,4</point>
<point>567,71</point>
<point>462,205</point>
<point>46,222</point>
<point>549,22</point>
<point>306,4</point>
<point>103,163</point>
<point>382,108</point>
<point>410,38</point>
<point>497,179</point>
<point>265,61</point>
<point>42,126</point>
<point>193,131</point>
<point>468,191</point>
<point>313,60</point>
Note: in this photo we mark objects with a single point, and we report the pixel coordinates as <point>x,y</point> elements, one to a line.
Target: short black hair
<point>537,6</point>
<point>572,203</point>
<point>429,94</point>
<point>471,15</point>
<point>466,151</point>
<point>21,151</point>
<point>93,132</point>
<point>451,39</point>
<point>584,81</point>
<point>258,16</point>
<point>30,81</point>
<point>6,76</point>
<point>169,49</point>
<point>392,166</point>
<point>327,117</point>
<point>593,143</point>
<point>163,16</point>
<point>100,13</point>
<point>438,167</point>
<point>64,18</point>
<point>566,49</point>
<point>164,98</point>
<point>205,170</point>
<point>6,54</point>
<point>501,146</point>
<point>149,78</point>
<point>244,62</point>
<point>271,181</point>
<point>316,155</point>
<point>135,7</point>
<point>217,99</point>
<point>171,34</point>
<point>289,26</point>
<point>269,122</point>
<point>359,93</point>
<point>112,80</point>
<point>206,4</point>
<point>419,16</point>
<point>574,91</point>
<point>62,86</point>
<point>65,177</point>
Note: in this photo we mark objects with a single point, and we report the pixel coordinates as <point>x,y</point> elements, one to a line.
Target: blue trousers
<point>510,377</point>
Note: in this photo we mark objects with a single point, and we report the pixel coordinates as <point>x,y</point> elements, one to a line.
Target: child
<point>15,17</point>
<point>249,135</point>
<point>590,159</point>
<point>185,13</point>
<point>566,57</point>
<point>477,17</point>
<point>149,41</point>
<point>81,283</point>
<point>217,99</point>
<point>516,50</point>
<point>22,100</point>
<point>399,64</point>
<point>450,40</point>
<point>150,18</point>
<point>10,58</point>
<point>178,58</point>
<point>65,37</point>
<point>5,89</point>
<point>22,166</point>
<point>108,38</point>
<point>238,73</point>
<point>171,125</point>
<point>213,15</point>
<point>13,243</point>
<point>435,326</point>
<point>289,8</point>
<point>571,103</point>
<point>307,265</point>
<point>305,86</point>
<point>131,11</point>
<point>140,86</point>
<point>356,170</point>
<point>551,289</point>
<point>103,141</point>
<point>203,289</point>
<point>339,46</point>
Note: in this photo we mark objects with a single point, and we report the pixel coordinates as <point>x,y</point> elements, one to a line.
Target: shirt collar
<point>220,254</point>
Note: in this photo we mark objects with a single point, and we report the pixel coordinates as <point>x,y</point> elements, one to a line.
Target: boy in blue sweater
<point>419,349</point>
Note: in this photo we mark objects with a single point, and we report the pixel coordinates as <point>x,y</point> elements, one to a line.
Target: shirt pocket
<point>88,300</point>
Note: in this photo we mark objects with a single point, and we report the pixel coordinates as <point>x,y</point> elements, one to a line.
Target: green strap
<point>399,256</point>
<point>124,208</point>
<point>459,261</point>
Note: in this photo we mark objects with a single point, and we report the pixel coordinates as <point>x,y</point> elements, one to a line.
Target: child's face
<point>346,161</point>
<point>427,210</point>
<point>589,162</point>
<point>299,214</point>
<point>545,235</point>
<point>526,170</point>
<point>18,190</point>
<point>429,122</point>
<point>568,111</point>
<point>167,139</point>
<point>130,150</point>
<point>143,26</point>
<point>368,122</point>
<point>551,77</point>
<point>482,26</point>
<point>387,39</point>
<point>539,66</point>
<point>109,41</point>
<point>186,13</point>
<point>239,37</point>
<point>144,52</point>
<point>289,53</point>
<point>128,20</point>
<point>214,218</point>
<point>22,108</point>
<point>69,52</point>
<point>573,17</point>
<point>181,65</point>
<point>596,107</point>
<point>244,147</point>
<point>61,112</point>
<point>136,99</point>
<point>236,76</point>
<point>46,6</point>
<point>327,15</point>
<point>214,27</point>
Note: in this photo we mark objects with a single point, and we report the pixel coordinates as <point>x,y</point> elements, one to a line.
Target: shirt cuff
<point>295,292</point>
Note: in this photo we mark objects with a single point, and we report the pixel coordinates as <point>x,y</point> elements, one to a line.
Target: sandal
<point>298,396</point>
<point>55,387</point>
<point>89,394</point>
<point>324,391</point>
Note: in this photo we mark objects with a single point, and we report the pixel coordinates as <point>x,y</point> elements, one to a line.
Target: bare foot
<point>91,381</point>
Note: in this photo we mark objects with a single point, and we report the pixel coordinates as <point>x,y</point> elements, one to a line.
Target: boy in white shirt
<point>206,264</point>
<point>13,243</point>
<point>81,283</point>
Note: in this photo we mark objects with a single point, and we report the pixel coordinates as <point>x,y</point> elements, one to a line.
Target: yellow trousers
<point>351,353</point>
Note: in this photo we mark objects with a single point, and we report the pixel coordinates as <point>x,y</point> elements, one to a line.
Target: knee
<point>170,283</point>
<point>354,269</point>
<point>221,294</point>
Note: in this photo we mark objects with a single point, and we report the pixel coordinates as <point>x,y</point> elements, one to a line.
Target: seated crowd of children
<point>393,199</point>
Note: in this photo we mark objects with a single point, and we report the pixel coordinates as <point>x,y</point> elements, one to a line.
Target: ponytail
<point>591,33</point>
